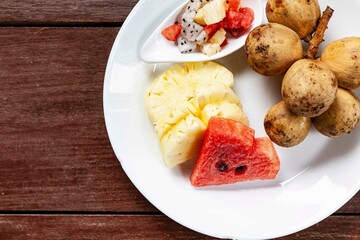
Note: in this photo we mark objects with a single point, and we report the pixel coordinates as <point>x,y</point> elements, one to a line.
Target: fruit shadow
<point>241,60</point>
<point>337,148</point>
<point>244,186</point>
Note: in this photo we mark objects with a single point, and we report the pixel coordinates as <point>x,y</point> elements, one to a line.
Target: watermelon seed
<point>240,169</point>
<point>221,166</point>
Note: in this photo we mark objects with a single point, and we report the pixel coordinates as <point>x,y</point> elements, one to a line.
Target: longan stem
<point>318,36</point>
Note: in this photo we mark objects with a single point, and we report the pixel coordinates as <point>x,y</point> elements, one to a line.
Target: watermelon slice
<point>172,32</point>
<point>230,153</point>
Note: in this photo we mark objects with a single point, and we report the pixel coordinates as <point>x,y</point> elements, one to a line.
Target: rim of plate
<point>119,155</point>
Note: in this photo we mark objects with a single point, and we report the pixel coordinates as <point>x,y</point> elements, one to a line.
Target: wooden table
<point>59,177</point>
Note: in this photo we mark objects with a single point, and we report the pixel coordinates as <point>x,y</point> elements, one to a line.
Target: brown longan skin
<point>272,48</point>
<point>309,88</point>
<point>343,59</point>
<point>300,15</point>
<point>285,128</point>
<point>342,117</point>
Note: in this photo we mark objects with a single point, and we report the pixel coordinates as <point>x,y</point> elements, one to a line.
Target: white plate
<point>157,49</point>
<point>316,178</point>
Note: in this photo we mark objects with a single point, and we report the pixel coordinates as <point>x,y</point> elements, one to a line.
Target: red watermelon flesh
<point>234,4</point>
<point>211,29</point>
<point>230,154</point>
<point>240,19</point>
<point>172,32</point>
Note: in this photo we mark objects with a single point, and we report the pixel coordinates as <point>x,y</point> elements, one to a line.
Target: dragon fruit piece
<point>193,5</point>
<point>190,29</point>
<point>190,9</point>
<point>185,46</point>
<point>188,14</point>
<point>203,2</point>
<point>202,37</point>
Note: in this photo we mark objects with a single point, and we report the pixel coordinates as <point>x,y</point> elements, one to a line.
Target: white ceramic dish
<point>157,49</point>
<point>316,178</point>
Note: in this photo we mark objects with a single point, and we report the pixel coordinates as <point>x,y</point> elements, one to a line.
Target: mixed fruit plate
<point>206,25</point>
<point>185,102</point>
<point>205,30</point>
<point>231,138</point>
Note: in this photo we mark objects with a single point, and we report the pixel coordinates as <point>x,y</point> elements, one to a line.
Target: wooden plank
<point>69,11</point>
<point>352,206</point>
<point>155,227</point>
<point>334,227</point>
<point>55,153</point>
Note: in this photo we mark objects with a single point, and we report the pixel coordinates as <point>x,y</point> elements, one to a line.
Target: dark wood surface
<point>59,178</point>
<point>143,227</point>
<point>65,11</point>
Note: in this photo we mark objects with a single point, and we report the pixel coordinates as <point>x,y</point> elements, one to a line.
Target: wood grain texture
<point>65,11</point>
<point>55,156</point>
<point>55,153</point>
<point>352,206</point>
<point>156,227</point>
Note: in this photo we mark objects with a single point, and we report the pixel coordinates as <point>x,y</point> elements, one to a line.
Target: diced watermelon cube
<point>240,19</point>
<point>234,4</point>
<point>211,29</point>
<point>224,43</point>
<point>230,154</point>
<point>235,32</point>
<point>172,32</point>
<point>248,17</point>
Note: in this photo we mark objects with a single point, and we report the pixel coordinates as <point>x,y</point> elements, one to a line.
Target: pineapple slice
<point>214,92</point>
<point>218,37</point>
<point>177,84</point>
<point>200,17</point>
<point>203,94</point>
<point>224,109</point>
<point>180,102</point>
<point>212,12</point>
<point>183,141</point>
<point>210,48</point>
<point>213,46</point>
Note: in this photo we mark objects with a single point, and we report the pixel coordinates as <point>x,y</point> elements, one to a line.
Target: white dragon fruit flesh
<point>190,29</point>
<point>202,37</point>
<point>185,46</point>
<point>191,8</point>
<point>203,2</point>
